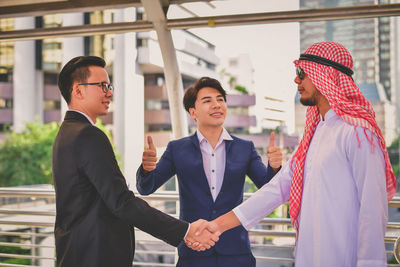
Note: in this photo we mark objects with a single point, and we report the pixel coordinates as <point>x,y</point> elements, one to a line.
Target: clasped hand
<point>202,235</point>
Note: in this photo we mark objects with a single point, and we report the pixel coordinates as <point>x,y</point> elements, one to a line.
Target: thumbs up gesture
<point>274,154</point>
<point>149,158</point>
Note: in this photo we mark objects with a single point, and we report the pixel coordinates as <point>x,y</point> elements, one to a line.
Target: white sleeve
<point>368,167</point>
<point>266,199</point>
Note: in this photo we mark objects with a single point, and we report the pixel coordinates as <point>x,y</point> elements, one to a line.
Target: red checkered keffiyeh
<point>346,100</point>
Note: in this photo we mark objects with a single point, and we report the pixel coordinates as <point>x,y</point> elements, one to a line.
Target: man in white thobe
<point>339,180</point>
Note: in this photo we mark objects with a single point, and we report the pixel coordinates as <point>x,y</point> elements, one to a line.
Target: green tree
<point>25,157</point>
<point>393,151</point>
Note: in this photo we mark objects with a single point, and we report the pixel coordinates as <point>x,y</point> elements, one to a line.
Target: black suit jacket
<point>96,212</point>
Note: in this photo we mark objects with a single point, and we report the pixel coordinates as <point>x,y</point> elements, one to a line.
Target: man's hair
<point>76,70</point>
<point>191,92</point>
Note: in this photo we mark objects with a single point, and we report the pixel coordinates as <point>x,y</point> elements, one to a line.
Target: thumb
<point>200,228</point>
<point>150,143</point>
<point>271,139</point>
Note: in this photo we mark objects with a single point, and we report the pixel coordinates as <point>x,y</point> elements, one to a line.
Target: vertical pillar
<point>25,87</point>
<point>172,74</point>
<point>71,47</point>
<point>128,99</point>
<point>395,71</point>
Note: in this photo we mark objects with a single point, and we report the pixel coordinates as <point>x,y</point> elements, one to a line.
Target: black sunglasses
<point>300,72</point>
<point>104,86</point>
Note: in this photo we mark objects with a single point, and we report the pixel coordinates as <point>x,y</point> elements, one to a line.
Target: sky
<point>271,47</point>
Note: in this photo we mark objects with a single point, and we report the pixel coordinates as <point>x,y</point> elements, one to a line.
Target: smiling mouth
<point>217,114</point>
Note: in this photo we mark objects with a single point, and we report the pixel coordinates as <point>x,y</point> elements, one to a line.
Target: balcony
<point>150,59</point>
<point>157,116</point>
<point>51,115</point>
<point>6,90</point>
<point>51,92</point>
<point>6,115</point>
<point>243,121</point>
<point>29,213</point>
<point>162,117</point>
<point>154,92</point>
<point>240,100</point>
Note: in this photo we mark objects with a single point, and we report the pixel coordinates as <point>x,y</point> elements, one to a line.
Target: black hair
<point>76,70</point>
<point>191,92</point>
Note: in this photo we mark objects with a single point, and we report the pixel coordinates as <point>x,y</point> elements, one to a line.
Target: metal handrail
<point>20,256</point>
<point>16,265</point>
<point>170,196</point>
<point>28,212</point>
<point>159,196</point>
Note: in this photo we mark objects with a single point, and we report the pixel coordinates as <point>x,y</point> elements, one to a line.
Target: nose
<point>297,79</point>
<point>109,93</point>
<point>216,104</point>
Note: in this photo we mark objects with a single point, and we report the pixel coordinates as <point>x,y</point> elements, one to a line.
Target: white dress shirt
<point>344,205</point>
<point>214,161</point>
<point>84,114</point>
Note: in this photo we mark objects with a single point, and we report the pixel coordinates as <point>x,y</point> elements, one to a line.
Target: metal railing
<point>32,225</point>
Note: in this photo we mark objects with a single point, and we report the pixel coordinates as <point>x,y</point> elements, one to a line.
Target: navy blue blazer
<point>183,158</point>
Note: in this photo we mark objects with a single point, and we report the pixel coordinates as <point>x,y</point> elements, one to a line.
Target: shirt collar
<point>84,114</point>
<point>328,115</point>
<point>224,136</point>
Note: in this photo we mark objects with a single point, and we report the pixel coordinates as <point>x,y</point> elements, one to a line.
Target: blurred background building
<point>29,92</point>
<point>371,43</point>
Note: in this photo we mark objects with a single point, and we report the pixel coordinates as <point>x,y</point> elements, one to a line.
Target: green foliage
<point>249,186</point>
<point>392,261</point>
<point>17,251</point>
<point>25,157</point>
<point>395,143</point>
<point>241,89</point>
<point>232,79</point>
<point>393,151</point>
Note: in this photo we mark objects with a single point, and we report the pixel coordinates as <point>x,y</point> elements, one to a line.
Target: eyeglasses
<point>300,72</point>
<point>104,86</point>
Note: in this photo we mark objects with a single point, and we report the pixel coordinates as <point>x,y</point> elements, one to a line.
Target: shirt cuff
<point>187,231</point>
<point>241,217</point>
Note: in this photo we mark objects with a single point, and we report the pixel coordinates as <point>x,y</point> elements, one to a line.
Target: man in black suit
<point>96,212</point>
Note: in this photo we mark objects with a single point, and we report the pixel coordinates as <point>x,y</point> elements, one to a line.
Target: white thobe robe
<point>344,207</point>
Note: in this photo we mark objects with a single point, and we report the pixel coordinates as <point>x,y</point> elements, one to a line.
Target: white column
<point>128,105</point>
<point>172,74</point>
<point>24,82</point>
<point>395,70</point>
<point>395,66</point>
<point>71,46</point>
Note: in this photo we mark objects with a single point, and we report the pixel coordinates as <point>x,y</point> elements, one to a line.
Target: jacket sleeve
<point>97,161</point>
<point>368,167</point>
<point>257,171</point>
<point>165,169</point>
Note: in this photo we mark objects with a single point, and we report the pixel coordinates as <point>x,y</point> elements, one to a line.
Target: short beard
<point>311,101</point>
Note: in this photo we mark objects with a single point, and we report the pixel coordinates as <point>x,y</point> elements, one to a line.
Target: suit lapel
<point>228,145</point>
<point>202,174</point>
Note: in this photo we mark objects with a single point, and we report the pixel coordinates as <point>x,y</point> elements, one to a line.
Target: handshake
<point>202,235</point>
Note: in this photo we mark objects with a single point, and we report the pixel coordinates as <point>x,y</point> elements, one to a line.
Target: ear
<point>77,91</point>
<point>192,113</point>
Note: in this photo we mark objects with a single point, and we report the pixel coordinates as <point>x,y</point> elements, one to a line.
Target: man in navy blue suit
<point>211,167</point>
